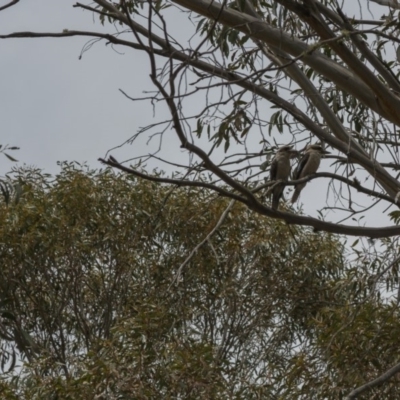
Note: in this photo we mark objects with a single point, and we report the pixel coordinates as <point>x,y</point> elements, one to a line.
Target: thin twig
<point>193,252</point>
<point>378,381</point>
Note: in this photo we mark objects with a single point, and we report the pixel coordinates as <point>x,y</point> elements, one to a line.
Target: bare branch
<point>353,183</point>
<point>11,3</point>
<point>112,162</point>
<point>376,382</point>
<point>389,3</point>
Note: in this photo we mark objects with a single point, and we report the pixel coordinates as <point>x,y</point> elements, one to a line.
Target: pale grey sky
<point>57,107</point>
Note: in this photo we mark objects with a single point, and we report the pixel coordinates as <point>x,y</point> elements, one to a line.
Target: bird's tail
<point>276,196</point>
<point>296,195</point>
<point>297,192</point>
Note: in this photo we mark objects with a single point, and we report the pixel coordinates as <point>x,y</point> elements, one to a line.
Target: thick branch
<point>260,30</point>
<point>309,13</point>
<point>353,183</point>
<point>343,21</point>
<point>260,208</point>
<point>281,58</point>
<point>388,3</point>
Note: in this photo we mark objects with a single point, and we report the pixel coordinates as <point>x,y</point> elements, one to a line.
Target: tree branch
<point>378,381</point>
<point>10,4</point>
<point>353,183</point>
<point>275,37</point>
<point>292,219</point>
<point>112,162</point>
<point>389,3</point>
<point>193,252</point>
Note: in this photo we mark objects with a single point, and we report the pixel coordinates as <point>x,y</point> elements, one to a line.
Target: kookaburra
<point>280,170</point>
<point>308,165</point>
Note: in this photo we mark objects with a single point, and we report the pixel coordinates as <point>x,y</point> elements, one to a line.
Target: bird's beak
<point>325,152</point>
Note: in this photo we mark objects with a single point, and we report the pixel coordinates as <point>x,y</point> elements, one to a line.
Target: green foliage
<point>235,125</point>
<point>94,301</point>
<point>9,191</point>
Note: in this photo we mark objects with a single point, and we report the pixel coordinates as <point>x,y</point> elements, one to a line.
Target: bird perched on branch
<point>308,165</point>
<point>280,170</point>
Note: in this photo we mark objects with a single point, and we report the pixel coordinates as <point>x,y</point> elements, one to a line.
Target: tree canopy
<point>102,295</point>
